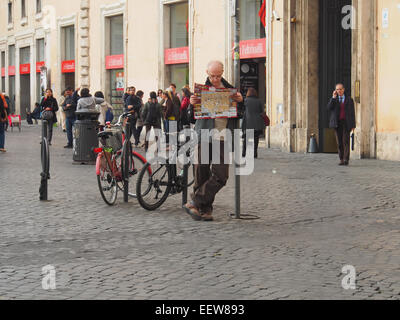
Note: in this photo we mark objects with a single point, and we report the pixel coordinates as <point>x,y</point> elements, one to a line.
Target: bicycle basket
<point>113,140</point>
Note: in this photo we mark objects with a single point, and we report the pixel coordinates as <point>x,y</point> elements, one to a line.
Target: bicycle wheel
<point>107,185</point>
<point>153,185</point>
<point>137,165</point>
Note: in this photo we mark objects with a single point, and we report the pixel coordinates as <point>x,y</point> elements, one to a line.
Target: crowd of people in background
<point>166,110</point>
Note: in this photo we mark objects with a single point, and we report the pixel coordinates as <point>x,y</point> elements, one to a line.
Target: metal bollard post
<point>185,178</point>
<point>45,163</point>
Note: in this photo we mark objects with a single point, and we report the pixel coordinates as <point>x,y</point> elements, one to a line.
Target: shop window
<point>250,22</point>
<point>117,35</point>
<point>10,12</point>
<point>24,55</point>
<point>40,50</point>
<point>179,75</point>
<point>179,19</point>
<point>69,43</point>
<point>38,6</point>
<point>11,55</point>
<point>23,9</point>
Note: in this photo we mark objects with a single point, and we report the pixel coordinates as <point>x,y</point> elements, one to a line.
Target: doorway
<point>25,96</point>
<point>335,51</point>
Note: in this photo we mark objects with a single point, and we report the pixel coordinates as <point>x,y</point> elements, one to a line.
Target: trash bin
<point>85,136</point>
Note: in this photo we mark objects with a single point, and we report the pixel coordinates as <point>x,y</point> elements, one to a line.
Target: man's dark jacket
<point>334,113</point>
<point>69,112</point>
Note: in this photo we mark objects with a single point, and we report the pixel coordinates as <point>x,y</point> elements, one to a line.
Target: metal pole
<point>44,175</point>
<point>185,178</point>
<point>236,73</point>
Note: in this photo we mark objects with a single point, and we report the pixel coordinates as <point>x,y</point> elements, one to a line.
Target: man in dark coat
<point>69,107</point>
<point>342,118</point>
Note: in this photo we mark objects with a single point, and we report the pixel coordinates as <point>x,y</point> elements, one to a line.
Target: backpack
<point>151,117</point>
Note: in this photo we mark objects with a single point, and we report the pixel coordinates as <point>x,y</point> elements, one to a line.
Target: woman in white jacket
<point>102,108</point>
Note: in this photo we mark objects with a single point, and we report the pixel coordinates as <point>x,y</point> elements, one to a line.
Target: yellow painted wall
<point>210,37</point>
<point>388,99</point>
<point>277,71</point>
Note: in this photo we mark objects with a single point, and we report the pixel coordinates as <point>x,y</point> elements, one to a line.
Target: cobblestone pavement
<point>315,218</point>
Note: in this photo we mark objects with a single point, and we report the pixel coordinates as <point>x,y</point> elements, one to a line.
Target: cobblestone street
<point>315,218</point>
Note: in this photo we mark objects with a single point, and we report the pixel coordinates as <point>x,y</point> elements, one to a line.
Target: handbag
<point>47,115</point>
<point>267,122</point>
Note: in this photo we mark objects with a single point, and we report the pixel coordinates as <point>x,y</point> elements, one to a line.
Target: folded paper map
<point>214,103</point>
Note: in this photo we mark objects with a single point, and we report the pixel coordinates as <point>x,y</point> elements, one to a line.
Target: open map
<point>215,103</point>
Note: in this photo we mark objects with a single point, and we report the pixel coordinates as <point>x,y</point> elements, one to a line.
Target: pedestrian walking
<point>49,108</point>
<point>69,106</point>
<point>103,108</point>
<point>159,96</point>
<point>343,119</point>
<point>133,105</point>
<point>126,96</point>
<point>184,117</point>
<point>3,121</point>
<point>61,113</point>
<point>151,115</point>
<point>86,101</point>
<point>169,115</point>
<point>9,108</point>
<point>253,120</point>
<point>139,122</point>
<point>210,177</point>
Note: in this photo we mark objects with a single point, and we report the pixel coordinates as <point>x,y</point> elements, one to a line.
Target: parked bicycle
<point>110,164</point>
<point>159,178</point>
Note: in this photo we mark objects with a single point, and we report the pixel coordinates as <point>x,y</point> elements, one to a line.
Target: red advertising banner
<point>25,68</point>
<point>39,65</point>
<point>250,49</point>
<point>115,62</point>
<point>11,70</point>
<point>177,55</point>
<point>3,72</point>
<point>68,66</point>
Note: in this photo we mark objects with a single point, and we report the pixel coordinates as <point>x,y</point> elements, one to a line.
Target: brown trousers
<point>343,141</point>
<point>209,179</point>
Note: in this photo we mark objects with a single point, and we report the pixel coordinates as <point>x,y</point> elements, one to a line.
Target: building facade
<point>294,60</point>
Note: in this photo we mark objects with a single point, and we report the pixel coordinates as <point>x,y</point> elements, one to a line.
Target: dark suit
<point>342,127</point>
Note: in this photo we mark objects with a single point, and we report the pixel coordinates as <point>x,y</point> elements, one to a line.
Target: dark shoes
<point>68,147</point>
<point>343,163</point>
<point>195,213</point>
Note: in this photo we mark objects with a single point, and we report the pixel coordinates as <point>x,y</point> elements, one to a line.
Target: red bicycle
<point>117,165</point>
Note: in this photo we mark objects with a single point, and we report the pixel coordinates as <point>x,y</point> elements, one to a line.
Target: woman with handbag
<point>253,119</point>
<point>49,108</point>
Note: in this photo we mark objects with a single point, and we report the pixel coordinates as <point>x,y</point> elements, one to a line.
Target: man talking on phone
<point>342,118</point>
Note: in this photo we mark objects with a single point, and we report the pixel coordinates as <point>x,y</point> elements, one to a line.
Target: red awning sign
<point>251,49</point>
<point>177,55</point>
<point>25,68</point>
<point>68,66</point>
<point>115,62</point>
<point>11,70</point>
<point>39,65</point>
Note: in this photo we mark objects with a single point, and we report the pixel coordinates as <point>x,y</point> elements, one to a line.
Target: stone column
<point>84,44</point>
